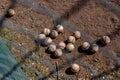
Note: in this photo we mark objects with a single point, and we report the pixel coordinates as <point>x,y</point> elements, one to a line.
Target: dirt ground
<point>87,15</point>
<point>117,2</point>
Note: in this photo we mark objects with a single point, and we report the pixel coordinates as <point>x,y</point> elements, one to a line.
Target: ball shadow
<point>117,64</point>
<point>100,43</point>
<point>66,42</point>
<point>68,72</point>
<point>44,44</point>
<point>85,52</point>
<point>7,15</point>
<point>53,56</point>
<point>48,52</point>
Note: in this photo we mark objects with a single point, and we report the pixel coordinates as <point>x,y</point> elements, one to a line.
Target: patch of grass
<point>36,65</point>
<point>7,34</point>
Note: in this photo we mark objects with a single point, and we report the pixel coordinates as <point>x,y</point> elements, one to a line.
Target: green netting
<point>7,62</point>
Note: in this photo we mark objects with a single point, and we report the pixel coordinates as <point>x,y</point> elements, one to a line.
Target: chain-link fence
<point>17,74</point>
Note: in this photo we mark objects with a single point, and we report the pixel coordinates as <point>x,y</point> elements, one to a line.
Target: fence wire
<point>58,20</point>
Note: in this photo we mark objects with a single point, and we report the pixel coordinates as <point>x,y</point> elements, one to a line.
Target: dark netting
<point>7,64</point>
<point>11,70</point>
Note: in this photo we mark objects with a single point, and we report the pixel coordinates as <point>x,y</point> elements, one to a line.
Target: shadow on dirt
<point>68,71</point>
<point>115,33</point>
<point>61,66</point>
<point>73,10</point>
<point>110,6</point>
<point>51,54</point>
<point>85,52</point>
<point>100,43</point>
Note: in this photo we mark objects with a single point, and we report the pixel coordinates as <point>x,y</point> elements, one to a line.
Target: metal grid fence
<point>57,20</point>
